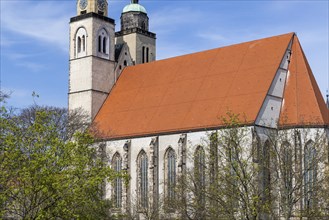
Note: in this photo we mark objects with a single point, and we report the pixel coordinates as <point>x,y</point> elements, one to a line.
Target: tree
<point>243,177</point>
<point>47,169</point>
<point>301,175</point>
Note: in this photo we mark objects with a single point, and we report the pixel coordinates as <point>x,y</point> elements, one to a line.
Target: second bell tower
<point>135,33</point>
<point>91,56</point>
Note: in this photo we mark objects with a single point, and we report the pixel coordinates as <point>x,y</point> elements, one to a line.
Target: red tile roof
<point>303,102</point>
<point>194,91</point>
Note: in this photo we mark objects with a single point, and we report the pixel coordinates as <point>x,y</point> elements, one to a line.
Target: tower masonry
<point>91,56</point>
<point>98,55</point>
<point>135,33</point>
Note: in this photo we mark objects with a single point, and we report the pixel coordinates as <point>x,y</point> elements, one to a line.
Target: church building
<point>152,115</point>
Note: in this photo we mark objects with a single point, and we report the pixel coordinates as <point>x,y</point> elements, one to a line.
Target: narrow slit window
<point>143,55</point>
<point>83,43</point>
<point>99,44</point>
<point>79,44</point>
<point>147,55</point>
<point>104,45</point>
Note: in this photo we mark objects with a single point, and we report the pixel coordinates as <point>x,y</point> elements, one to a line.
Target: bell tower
<point>92,48</point>
<point>96,6</point>
<point>135,33</point>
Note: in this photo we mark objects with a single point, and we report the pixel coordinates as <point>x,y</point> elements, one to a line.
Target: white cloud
<point>34,67</point>
<point>43,20</point>
<point>22,59</point>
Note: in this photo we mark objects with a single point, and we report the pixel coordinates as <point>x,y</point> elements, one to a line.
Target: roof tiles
<point>194,91</point>
<point>303,103</point>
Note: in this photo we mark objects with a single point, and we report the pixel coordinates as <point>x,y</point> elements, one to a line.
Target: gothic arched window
<point>200,180</point>
<point>142,180</point>
<point>200,168</point>
<point>310,173</point>
<point>80,42</point>
<point>266,170</point>
<point>287,172</point>
<point>170,174</point>
<point>213,162</point>
<point>117,183</point>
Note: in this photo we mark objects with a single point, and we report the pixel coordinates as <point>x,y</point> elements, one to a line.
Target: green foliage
<point>44,175</point>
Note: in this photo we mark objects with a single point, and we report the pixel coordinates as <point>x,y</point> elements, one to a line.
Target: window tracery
<point>103,42</point>
<point>117,183</point>
<point>142,180</point>
<point>170,174</point>
<point>310,173</point>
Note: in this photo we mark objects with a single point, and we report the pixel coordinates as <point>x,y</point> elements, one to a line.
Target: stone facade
<point>185,145</point>
<point>98,55</point>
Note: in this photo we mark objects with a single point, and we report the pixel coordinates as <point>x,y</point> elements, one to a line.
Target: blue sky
<point>34,36</point>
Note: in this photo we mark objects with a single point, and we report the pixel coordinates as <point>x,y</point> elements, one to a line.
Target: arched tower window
<point>310,173</point>
<point>142,180</point>
<point>117,182</point>
<point>170,174</point>
<point>80,42</point>
<point>103,42</point>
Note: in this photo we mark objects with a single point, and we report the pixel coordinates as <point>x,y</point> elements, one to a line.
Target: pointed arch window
<point>170,174</point>
<point>213,168</point>
<point>265,171</point>
<point>80,42</point>
<point>310,173</point>
<point>200,171</point>
<point>117,183</point>
<point>142,184</point>
<point>200,181</point>
<point>287,172</point>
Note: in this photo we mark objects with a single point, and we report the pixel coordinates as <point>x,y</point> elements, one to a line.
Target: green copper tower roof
<point>134,7</point>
